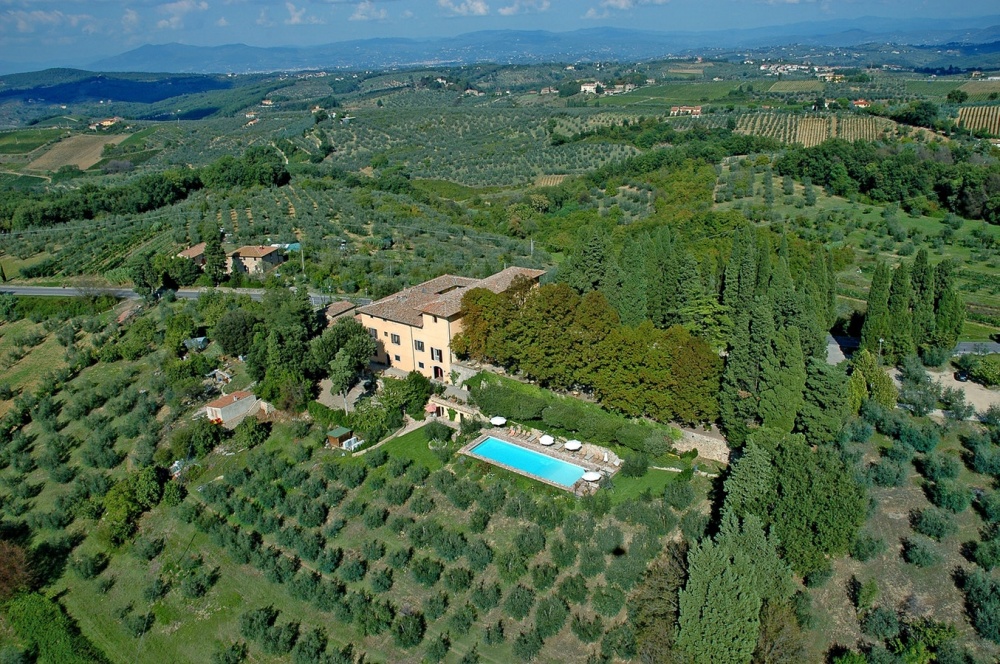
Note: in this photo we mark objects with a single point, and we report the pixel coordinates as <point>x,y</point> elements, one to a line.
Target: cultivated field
<point>980,117</point>
<point>981,90</point>
<point>797,86</point>
<point>81,151</point>
<point>26,140</point>
<point>812,130</point>
<point>549,180</point>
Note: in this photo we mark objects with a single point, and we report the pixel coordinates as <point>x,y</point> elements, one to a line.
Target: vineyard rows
<point>980,117</point>
<point>810,130</point>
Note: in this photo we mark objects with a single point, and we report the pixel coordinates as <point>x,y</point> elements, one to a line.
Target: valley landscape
<point>258,315</point>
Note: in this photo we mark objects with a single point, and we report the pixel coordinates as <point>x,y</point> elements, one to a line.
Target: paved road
<point>317,299</point>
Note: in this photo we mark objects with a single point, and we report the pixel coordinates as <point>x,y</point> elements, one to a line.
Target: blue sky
<point>79,31</point>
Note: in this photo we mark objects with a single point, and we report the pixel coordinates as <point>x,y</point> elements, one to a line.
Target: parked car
<point>962,376</point>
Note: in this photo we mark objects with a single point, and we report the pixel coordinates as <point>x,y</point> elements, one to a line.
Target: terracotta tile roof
<point>339,307</point>
<point>258,251</point>
<point>193,252</point>
<point>229,399</point>
<point>440,297</point>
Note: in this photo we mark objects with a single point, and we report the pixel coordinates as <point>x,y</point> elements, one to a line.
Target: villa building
<point>253,260</point>
<point>414,327</point>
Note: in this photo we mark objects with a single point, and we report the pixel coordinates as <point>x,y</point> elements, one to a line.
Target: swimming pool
<point>528,462</point>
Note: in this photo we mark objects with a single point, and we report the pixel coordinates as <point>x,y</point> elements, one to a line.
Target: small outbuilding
<point>337,437</point>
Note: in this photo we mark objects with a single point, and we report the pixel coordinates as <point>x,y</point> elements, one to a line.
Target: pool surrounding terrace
<point>544,465</point>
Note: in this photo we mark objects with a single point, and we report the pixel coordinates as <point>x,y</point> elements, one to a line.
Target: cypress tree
<point>899,341</point>
<point>782,381</point>
<point>763,265</point>
<point>719,617</point>
<point>741,275</point>
<point>750,486</point>
<point>831,289</point>
<point>662,280</point>
<point>949,310</point>
<point>784,301</point>
<point>751,343</point>
<point>632,303</point>
<point>729,578</point>
<point>612,283</point>
<point>876,325</point>
<point>587,267</point>
<point>215,256</point>
<point>824,405</point>
<point>922,280</point>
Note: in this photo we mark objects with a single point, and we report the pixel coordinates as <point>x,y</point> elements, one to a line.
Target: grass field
<point>672,93</point>
<point>24,141</point>
<point>797,86</point>
<point>930,88</point>
<point>82,151</point>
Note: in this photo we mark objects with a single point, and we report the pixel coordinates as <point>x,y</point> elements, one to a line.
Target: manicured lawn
<point>628,488</point>
<point>413,446</point>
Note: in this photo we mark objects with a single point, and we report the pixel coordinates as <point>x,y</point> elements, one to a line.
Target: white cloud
<point>524,7</point>
<point>609,6</point>
<point>264,20</point>
<point>466,7</point>
<point>367,11</point>
<point>27,22</point>
<point>130,21</point>
<point>222,22</point>
<point>176,11</point>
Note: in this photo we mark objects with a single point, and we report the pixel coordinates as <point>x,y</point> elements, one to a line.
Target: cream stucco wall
<point>436,334</point>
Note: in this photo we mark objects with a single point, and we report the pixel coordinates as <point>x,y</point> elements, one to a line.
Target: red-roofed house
<point>230,407</point>
<point>195,253</point>
<point>339,309</point>
<point>253,260</point>
<point>415,326</point>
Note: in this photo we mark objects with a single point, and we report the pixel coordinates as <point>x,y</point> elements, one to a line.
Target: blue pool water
<point>529,462</point>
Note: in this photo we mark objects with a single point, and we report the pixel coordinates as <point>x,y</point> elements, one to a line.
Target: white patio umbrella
<point>498,421</point>
<point>546,439</point>
<point>591,476</point>
<point>573,445</point>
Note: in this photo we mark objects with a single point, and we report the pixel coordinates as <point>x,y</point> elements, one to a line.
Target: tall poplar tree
<point>899,341</point>
<point>922,280</point>
<point>949,310</point>
<point>876,325</point>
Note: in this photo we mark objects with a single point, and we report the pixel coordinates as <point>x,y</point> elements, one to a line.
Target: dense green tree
<point>899,340</point>
<point>587,268</point>
<point>949,311</point>
<point>729,578</point>
<point>876,325</point>
<point>825,406</point>
<point>922,280</point>
<point>782,381</point>
<point>631,306</point>
<point>880,387</point>
<point>235,331</point>
<point>215,255</point>
<point>750,485</point>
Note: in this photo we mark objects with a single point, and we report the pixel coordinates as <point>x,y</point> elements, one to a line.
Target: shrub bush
<point>867,547</point>
<point>880,623</point>
<point>635,465</point>
<point>550,616</point>
<point>527,645</point>
<point>934,523</point>
<point>544,575</point>
<point>920,553</point>
<point>679,495</point>
<point>937,466</point>
<point>951,495</point>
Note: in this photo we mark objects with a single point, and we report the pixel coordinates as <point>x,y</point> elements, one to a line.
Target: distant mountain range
<point>517,46</point>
